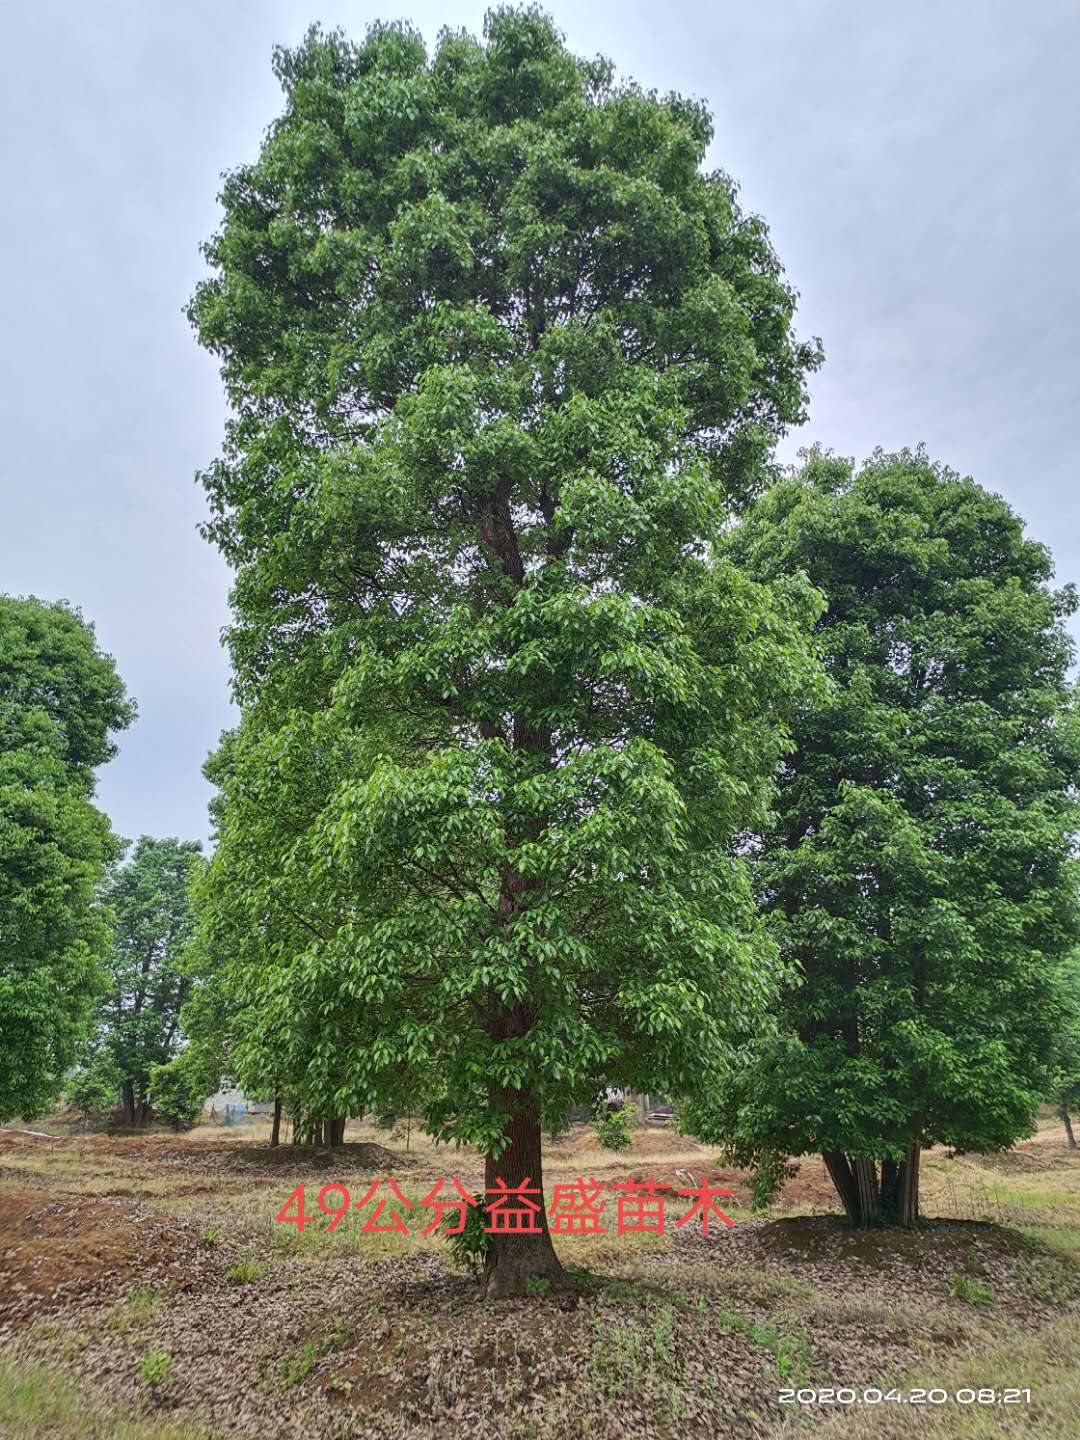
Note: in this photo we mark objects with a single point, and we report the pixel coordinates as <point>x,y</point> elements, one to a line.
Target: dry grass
<point>671,1335</point>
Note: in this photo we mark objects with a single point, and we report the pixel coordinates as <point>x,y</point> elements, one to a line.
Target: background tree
<point>95,1085</point>
<point>1065,1094</point>
<point>179,1087</point>
<point>917,869</point>
<point>502,358</point>
<point>61,701</point>
<point>153,922</point>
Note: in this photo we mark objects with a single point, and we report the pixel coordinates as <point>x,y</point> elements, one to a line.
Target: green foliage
<point>472,1245</point>
<point>917,869</point>
<point>95,1086</point>
<point>179,1087</point>
<point>155,1368</point>
<point>613,1126</point>
<point>503,361</point>
<point>150,898</point>
<point>60,702</point>
<point>1065,1085</point>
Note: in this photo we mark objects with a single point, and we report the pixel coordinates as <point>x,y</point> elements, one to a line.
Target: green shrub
<point>474,1244</point>
<point>94,1086</point>
<point>613,1127</point>
<point>178,1089</point>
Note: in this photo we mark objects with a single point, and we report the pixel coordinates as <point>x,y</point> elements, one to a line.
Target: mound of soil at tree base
<point>72,1247</point>
<point>808,1188</point>
<point>249,1157</point>
<point>937,1263</point>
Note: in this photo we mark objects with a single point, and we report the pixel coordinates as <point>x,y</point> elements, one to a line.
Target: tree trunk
<point>318,1138</point>
<point>337,1130</point>
<point>127,1091</point>
<point>866,1180</point>
<point>840,1173</point>
<point>1067,1118</point>
<point>517,1258</point>
<point>907,1212</point>
<point>275,1133</point>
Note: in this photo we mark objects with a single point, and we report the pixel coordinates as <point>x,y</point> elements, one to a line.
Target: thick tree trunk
<point>869,1199</point>
<point>517,1258</point>
<point>337,1130</point>
<point>907,1211</point>
<point>127,1093</point>
<point>840,1173</point>
<point>275,1133</point>
<point>1067,1118</point>
<point>866,1179</point>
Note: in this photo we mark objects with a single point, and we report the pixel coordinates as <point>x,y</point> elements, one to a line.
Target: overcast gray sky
<point>918,164</point>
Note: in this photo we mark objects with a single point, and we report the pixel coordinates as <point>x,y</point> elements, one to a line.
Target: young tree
<point>150,899</point>
<point>60,703</point>
<point>917,869</point>
<point>502,359</point>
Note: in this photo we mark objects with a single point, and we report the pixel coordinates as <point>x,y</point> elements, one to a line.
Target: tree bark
<point>1067,1118</point>
<point>517,1258</point>
<point>840,1173</point>
<point>337,1130</point>
<point>866,1180</point>
<point>275,1133</point>
<point>127,1091</point>
<point>907,1211</point>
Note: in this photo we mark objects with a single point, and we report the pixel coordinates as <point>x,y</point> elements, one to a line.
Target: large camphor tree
<point>61,701</point>
<point>502,358</point>
<point>917,871</point>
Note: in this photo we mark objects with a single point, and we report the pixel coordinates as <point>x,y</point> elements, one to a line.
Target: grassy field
<point>147,1290</point>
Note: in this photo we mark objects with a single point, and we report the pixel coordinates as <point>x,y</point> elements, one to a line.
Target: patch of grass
<point>1044,1363</point>
<point>302,1359</point>
<point>616,1364</point>
<point>155,1368</point>
<point>637,1357</point>
<point>790,1349</point>
<point>211,1236</point>
<point>247,1271</point>
<point>39,1401</point>
<point>976,1293</point>
<point>134,1312</point>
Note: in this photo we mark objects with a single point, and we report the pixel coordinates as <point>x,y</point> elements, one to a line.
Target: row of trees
<point>91,949</point>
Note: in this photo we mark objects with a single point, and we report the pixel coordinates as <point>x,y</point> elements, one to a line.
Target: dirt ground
<point>146,1289</point>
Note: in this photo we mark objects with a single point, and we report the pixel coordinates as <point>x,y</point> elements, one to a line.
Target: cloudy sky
<point>918,164</point>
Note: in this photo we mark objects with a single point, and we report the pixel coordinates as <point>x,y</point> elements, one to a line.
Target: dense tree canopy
<point>917,869</point>
<point>60,703</point>
<point>153,921</point>
<point>502,359</point>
